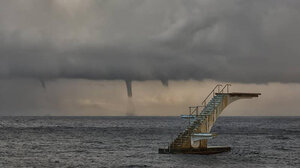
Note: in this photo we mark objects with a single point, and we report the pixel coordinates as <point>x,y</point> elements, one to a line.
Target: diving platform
<point>193,140</point>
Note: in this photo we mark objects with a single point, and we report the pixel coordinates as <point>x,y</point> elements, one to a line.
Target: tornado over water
<point>165,82</point>
<point>130,111</point>
<point>129,88</point>
<point>43,83</point>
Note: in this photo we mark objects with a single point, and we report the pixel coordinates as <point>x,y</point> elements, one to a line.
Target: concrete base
<point>206,151</point>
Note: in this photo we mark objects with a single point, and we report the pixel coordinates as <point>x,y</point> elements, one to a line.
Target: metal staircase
<point>201,119</point>
<point>197,119</point>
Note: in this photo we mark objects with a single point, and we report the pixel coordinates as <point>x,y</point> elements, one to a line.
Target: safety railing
<point>194,110</point>
<point>216,89</point>
<point>227,88</point>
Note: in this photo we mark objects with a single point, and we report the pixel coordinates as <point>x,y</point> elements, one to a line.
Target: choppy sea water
<point>134,142</point>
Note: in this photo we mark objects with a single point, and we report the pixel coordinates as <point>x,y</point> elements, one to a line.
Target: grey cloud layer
<point>231,40</point>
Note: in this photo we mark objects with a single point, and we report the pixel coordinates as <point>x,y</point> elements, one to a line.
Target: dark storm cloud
<point>232,40</point>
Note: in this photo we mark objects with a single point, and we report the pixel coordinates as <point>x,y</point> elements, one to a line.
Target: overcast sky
<point>71,57</point>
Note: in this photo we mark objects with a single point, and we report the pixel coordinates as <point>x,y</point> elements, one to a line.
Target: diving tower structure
<point>193,140</point>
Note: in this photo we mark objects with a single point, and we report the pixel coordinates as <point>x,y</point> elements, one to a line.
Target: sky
<point>75,57</point>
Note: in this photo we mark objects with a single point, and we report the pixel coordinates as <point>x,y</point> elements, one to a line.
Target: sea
<point>38,142</point>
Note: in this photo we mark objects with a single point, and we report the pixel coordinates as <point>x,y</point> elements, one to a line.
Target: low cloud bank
<point>234,40</point>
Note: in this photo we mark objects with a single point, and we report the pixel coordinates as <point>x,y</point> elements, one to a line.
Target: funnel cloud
<point>129,88</point>
<point>43,83</point>
<point>165,83</point>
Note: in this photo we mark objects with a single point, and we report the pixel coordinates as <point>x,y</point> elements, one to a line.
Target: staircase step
<point>197,121</point>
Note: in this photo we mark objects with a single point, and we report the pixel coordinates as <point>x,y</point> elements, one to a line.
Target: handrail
<point>196,106</point>
<point>194,109</point>
<point>213,91</point>
<point>227,85</point>
<point>216,89</point>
